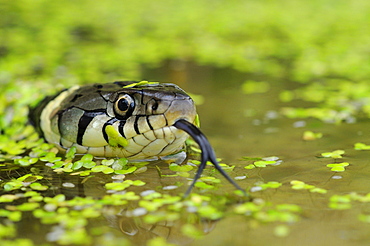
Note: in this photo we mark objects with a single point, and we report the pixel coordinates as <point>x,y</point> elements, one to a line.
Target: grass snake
<point>134,120</point>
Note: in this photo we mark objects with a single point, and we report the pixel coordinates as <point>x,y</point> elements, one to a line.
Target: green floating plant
<point>50,157</point>
<point>260,164</point>
<point>26,161</point>
<point>71,152</point>
<point>38,186</point>
<point>103,169</point>
<point>8,198</point>
<point>281,231</point>
<point>361,146</point>
<point>159,241</point>
<point>335,154</point>
<point>126,171</point>
<point>364,218</point>
<point>251,87</point>
<point>338,167</point>
<point>300,185</point>
<point>309,135</point>
<point>181,170</point>
<point>28,206</point>
<point>265,212</point>
<point>210,212</point>
<point>340,202</point>
<point>192,231</point>
<point>125,184</point>
<point>11,215</point>
<point>263,186</point>
<point>159,216</point>
<point>271,185</point>
<point>21,182</point>
<point>86,162</point>
<point>204,186</point>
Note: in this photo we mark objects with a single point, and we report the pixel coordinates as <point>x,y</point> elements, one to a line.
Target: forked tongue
<point>207,153</point>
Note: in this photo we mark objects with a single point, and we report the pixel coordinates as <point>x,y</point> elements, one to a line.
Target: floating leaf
<point>70,154</point>
<point>115,139</point>
<point>180,168</point>
<point>203,185</point>
<point>126,171</point>
<point>271,184</point>
<point>251,87</point>
<point>338,167</point>
<point>334,154</point>
<point>361,146</point>
<point>117,186</point>
<point>364,218</point>
<point>210,212</point>
<point>141,83</point>
<point>192,231</point>
<point>261,163</point>
<point>107,162</point>
<point>103,169</point>
<point>300,185</point>
<point>8,198</point>
<point>318,190</point>
<point>38,186</point>
<point>28,206</point>
<point>309,135</point>
<point>281,231</point>
<point>119,163</point>
<point>50,157</point>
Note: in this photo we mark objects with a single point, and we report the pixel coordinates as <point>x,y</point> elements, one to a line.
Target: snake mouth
<point>207,153</point>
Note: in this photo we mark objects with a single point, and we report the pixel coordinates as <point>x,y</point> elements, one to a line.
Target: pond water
<point>224,119</point>
<point>237,125</point>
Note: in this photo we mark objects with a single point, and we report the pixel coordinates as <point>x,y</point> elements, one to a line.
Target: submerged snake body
<point>120,119</point>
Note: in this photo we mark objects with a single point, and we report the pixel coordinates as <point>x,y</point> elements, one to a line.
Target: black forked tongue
<point>207,153</point>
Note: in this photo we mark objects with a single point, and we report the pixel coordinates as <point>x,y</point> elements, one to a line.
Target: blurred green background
<point>94,41</point>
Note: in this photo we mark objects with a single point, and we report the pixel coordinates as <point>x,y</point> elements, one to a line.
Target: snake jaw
<point>207,153</point>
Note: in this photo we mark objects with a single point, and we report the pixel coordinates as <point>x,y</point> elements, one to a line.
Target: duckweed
<point>191,231</point>
<point>266,213</point>
<point>300,185</point>
<point>281,231</point>
<point>309,135</point>
<point>361,146</point>
<point>364,218</point>
<point>334,154</point>
<point>250,87</point>
<point>338,167</point>
<point>263,162</point>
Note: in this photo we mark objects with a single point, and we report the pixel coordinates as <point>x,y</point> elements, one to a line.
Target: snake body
<point>120,119</point>
<point>134,120</point>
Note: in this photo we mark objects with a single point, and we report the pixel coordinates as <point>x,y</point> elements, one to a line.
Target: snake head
<point>135,120</point>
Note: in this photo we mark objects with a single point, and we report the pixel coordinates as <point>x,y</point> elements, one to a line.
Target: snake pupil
<point>122,104</point>
<point>124,107</point>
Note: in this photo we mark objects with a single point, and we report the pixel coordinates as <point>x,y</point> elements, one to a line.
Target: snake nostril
<point>155,105</point>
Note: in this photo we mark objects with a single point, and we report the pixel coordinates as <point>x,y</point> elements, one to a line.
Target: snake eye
<point>124,106</point>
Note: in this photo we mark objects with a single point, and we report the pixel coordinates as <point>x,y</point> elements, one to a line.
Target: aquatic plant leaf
<point>334,154</point>
<point>361,146</point>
